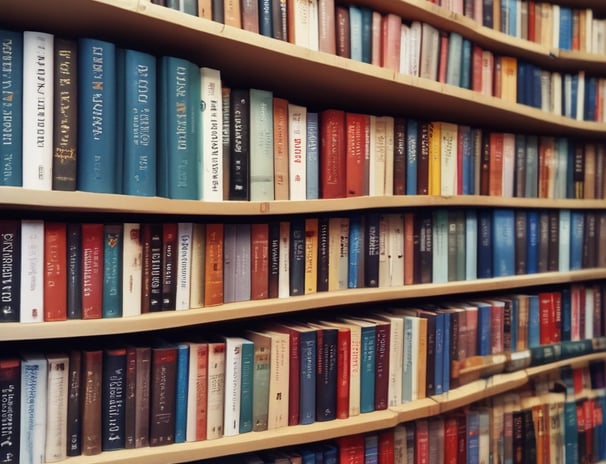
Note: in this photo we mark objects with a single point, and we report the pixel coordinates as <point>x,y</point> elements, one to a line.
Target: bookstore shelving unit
<point>319,80</point>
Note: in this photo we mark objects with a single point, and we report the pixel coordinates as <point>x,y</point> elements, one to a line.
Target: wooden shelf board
<point>573,362</point>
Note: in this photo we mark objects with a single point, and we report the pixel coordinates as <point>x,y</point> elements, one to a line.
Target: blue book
<point>246,386</point>
<point>472,441</point>
<point>112,270</point>
<point>591,90</point>
<point>522,90</point>
<point>566,313</point>
<point>471,244</point>
<point>366,34</point>
<point>577,231</point>
<point>466,65</point>
<point>371,449</point>
<point>571,431</point>
<point>179,100</point>
<point>574,94</point>
<point>532,167</point>
<point>446,355</point>
<point>571,171</point>
<point>565,35</point>
<point>503,242</point>
<point>181,392</point>
<point>137,71</point>
<point>307,456</point>
<point>534,321</point>
<point>534,84</point>
<point>312,157</point>
<point>468,160</point>
<point>98,162</point>
<point>484,346</point>
<point>532,242</point>
<point>11,105</point>
<point>484,249</point>
<point>307,376</point>
<point>356,238</point>
<point>355,32</point>
<point>265,18</point>
<point>511,23</point>
<point>330,454</point>
<point>412,130</point>
<point>440,349</point>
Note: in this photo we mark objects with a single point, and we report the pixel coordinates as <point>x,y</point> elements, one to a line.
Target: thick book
<point>280,149</point>
<point>138,111</point>
<point>261,145</point>
<point>65,116</point>
<point>55,276</point>
<point>179,117</point>
<point>239,156</point>
<point>163,378</point>
<point>113,399</point>
<point>10,244</point>
<point>151,267</point>
<point>246,386</point>
<point>37,112</point>
<point>503,242</point>
<point>99,167</point>
<point>10,395</point>
<point>357,127</point>
<point>11,79</point>
<point>211,120</point>
<point>32,430</point>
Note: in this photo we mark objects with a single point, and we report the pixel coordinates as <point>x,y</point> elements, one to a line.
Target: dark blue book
<point>566,313</point>
<point>412,128</point>
<point>113,397</point>
<point>522,89</point>
<point>565,34</point>
<point>503,242</point>
<point>591,91</point>
<point>137,71</point>
<point>355,262</point>
<point>371,250</point>
<point>297,257</point>
<point>577,228</point>
<point>440,350</point>
<point>181,392</point>
<point>468,161</point>
<point>112,270</point>
<point>98,163</point>
<point>532,241</point>
<point>366,34</point>
<point>326,374</point>
<point>534,83</point>
<point>466,64</point>
<point>371,449</point>
<point>246,386</point>
<point>446,355</point>
<point>308,456</point>
<point>484,251</point>
<point>534,321</point>
<point>312,157</point>
<point>323,241</point>
<point>11,82</point>
<point>265,18</point>
<point>472,433</point>
<point>178,154</point>
<point>484,346</point>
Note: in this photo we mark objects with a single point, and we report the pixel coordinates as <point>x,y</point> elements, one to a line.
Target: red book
<point>391,33</point>
<point>213,275</point>
<point>55,271</point>
<point>201,394</point>
<point>443,58</point>
<point>532,28</point>
<point>386,446</point>
<point>92,271</point>
<point>495,167</point>
<point>351,449</point>
<point>546,318</point>
<point>451,439</point>
<point>476,69</point>
<point>259,254</point>
<point>409,248</point>
<point>332,154</point>
<point>343,363</point>
<point>422,441</point>
<point>357,142</point>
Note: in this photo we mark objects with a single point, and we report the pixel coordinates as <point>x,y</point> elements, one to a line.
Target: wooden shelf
<point>254,309</point>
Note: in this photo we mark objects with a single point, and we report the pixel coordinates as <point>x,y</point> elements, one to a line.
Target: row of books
<point>92,270</point>
<point>118,395</point>
<point>555,26</point>
<point>248,144</point>
<point>532,425</point>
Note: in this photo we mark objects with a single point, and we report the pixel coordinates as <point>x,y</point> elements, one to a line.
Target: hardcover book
<point>163,378</point>
<point>297,143</point>
<point>32,270</point>
<point>55,447</point>
<point>113,399</point>
<point>10,395</point>
<point>261,145</point>
<point>55,276</point>
<point>211,131</point>
<point>10,244</point>
<point>34,373</point>
<point>333,154</point>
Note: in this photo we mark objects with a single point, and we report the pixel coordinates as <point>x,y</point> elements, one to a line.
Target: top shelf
<point>315,79</point>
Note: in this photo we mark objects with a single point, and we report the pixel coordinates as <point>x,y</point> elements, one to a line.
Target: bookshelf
<point>320,80</point>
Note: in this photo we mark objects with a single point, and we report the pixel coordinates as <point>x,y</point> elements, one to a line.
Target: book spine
<point>239,169</point>
<point>323,254</point>
<point>297,257</point>
<point>113,239</point>
<point>55,283</point>
<point>10,247</point>
<point>74,398</point>
<point>181,392</point>
<point>312,156</point>
<point>211,132</point>
<point>113,399</point>
<point>34,374</point>
<point>32,252</point>
<point>326,374</point>
<point>246,387</point>
<point>92,374</point>
<point>261,145</point>
<point>307,377</point>
<point>163,396</point>
<point>371,250</point>
<point>10,396</point>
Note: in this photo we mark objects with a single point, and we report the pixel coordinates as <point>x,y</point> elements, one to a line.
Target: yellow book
<point>509,79</point>
<point>311,255</point>
<point>435,155</point>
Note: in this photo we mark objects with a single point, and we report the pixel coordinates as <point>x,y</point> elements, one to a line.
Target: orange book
<point>213,275</point>
<point>92,271</point>
<point>434,158</point>
<point>495,165</point>
<point>280,149</point>
<point>205,9</point>
<point>311,255</point>
<point>259,261</point>
<point>55,274</point>
<point>232,13</point>
<point>332,154</point>
<point>589,170</point>
<point>357,143</point>
<point>509,79</point>
<point>391,28</point>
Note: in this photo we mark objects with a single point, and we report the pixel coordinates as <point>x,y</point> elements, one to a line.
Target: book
<point>280,149</point>
<point>261,376</point>
<point>113,239</point>
<point>55,443</point>
<point>163,378</point>
<point>181,392</point>
<point>99,168</point>
<point>92,377</point>
<point>277,409</point>
<point>113,396</point>
<point>246,386</point>
<point>31,297</point>
<point>259,257</point>
<point>211,132</point>
<point>297,142</point>
<point>236,264</point>
<point>33,407</point>
<point>296,259</point>
<point>12,106</point>
<point>179,116</point>
<point>138,111</point>
<point>233,384</point>
<point>326,372</point>
<point>311,255</point>
<point>65,114</point>
<point>74,399</point>
<point>213,275</point>
<point>168,266</point>
<point>197,391</point>
<point>197,265</point>
<point>92,270</point>
<point>37,111</point>
<point>357,128</point>
<point>132,269</point>
<point>55,278</point>
<point>261,145</point>
<point>312,155</point>
<point>10,394</point>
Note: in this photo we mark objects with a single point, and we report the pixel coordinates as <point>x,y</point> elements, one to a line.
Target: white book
<point>233,383</point>
<point>212,134</point>
<point>314,25</point>
<point>56,407</point>
<point>546,91</point>
<point>132,267</point>
<point>580,103</point>
<point>509,150</point>
<point>277,412</point>
<point>405,49</point>
<point>556,93</point>
<point>396,358</point>
<point>300,27</point>
<point>196,288</point>
<point>216,389</point>
<point>284,261</point>
<point>487,73</point>
<point>297,141</point>
<point>430,46</point>
<point>38,69</point>
<point>33,408</point>
<point>471,245</point>
<point>197,384</point>
<point>448,159</point>
<point>184,257</point>
<point>261,145</point>
<point>395,253</point>
<point>415,48</point>
<point>555,43</point>
<point>440,246</point>
<point>564,241</point>
<point>32,271</point>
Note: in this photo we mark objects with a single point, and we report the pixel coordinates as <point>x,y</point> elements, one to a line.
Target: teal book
<point>112,270</point>
<point>355,32</point>
<point>179,101</point>
<point>455,59</point>
<point>366,34</point>
<point>261,145</point>
<point>355,263</point>
<point>412,130</point>
<point>571,431</point>
<point>466,70</point>
<point>181,392</point>
<point>138,113</point>
<point>246,386</point>
<point>11,82</point>
<point>98,161</point>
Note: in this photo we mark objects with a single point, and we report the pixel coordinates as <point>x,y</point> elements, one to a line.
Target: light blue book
<point>312,157</point>
<point>355,251</point>
<point>577,231</point>
<point>455,59</point>
<point>355,32</point>
<point>534,322</point>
